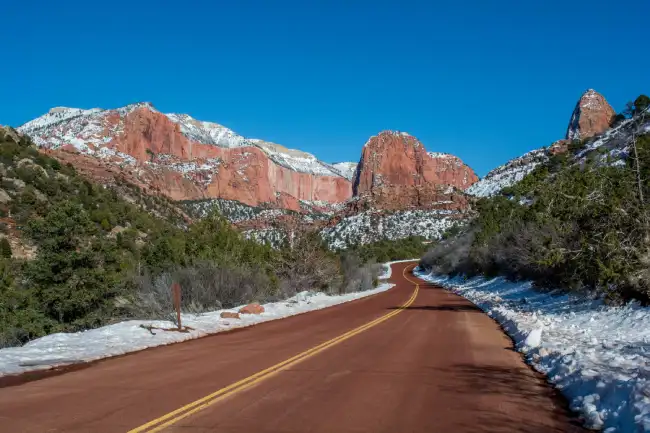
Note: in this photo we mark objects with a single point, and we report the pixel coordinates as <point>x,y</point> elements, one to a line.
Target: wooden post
<point>176,296</point>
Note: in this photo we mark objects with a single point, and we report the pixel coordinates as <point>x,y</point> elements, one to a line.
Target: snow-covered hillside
<point>508,174</point>
<point>374,225</point>
<point>613,146</point>
<point>55,115</point>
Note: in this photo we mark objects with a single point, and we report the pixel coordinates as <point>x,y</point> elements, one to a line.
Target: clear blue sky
<point>485,80</point>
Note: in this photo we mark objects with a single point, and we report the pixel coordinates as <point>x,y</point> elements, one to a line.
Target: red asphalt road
<point>439,365</point>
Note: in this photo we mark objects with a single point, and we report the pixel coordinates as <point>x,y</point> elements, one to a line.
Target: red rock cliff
<point>245,174</point>
<point>591,116</point>
<point>393,158</point>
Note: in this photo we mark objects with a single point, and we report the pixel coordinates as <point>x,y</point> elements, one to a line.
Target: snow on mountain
<point>508,174</point>
<point>296,160</point>
<point>72,126</point>
<point>617,140</point>
<point>55,115</point>
<point>208,132</point>
<point>346,169</point>
<point>89,131</point>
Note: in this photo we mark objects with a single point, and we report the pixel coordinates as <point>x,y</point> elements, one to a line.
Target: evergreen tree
<point>641,104</point>
<point>5,248</point>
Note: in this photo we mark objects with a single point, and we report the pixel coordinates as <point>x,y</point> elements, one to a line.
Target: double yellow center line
<point>171,418</point>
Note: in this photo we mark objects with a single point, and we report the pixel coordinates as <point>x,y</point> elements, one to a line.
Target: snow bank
<point>598,356</point>
<point>388,270</point>
<point>130,336</point>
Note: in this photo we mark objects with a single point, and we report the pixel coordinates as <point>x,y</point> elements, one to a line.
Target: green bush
<point>5,248</point>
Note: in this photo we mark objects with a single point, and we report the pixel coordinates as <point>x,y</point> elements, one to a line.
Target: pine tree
<point>641,104</point>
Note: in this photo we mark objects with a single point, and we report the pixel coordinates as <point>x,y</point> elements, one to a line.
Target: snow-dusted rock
<point>183,158</point>
<point>508,174</point>
<point>346,169</point>
<point>591,116</point>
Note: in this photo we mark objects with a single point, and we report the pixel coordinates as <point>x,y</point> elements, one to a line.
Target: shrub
<point>584,229</point>
<point>204,287</point>
<point>5,248</point>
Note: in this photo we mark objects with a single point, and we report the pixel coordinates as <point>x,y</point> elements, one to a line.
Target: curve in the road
<point>415,358</point>
<point>161,423</point>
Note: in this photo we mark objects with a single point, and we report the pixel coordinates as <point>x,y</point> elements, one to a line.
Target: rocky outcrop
<point>396,163</point>
<point>591,116</point>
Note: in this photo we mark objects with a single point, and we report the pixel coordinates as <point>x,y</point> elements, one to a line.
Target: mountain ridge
<point>189,159</point>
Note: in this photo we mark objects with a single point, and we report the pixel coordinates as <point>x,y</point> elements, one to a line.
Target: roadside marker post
<point>176,296</point>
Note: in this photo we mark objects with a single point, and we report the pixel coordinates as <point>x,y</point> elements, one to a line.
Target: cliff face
<point>591,116</point>
<point>186,159</point>
<point>393,161</point>
<point>162,153</point>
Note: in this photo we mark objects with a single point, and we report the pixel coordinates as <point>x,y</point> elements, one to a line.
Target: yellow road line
<point>407,278</point>
<point>175,416</point>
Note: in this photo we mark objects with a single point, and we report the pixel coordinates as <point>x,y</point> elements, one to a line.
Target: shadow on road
<point>520,394</point>
<point>444,307</point>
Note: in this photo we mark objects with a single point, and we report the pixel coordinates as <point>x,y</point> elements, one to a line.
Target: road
<point>413,359</point>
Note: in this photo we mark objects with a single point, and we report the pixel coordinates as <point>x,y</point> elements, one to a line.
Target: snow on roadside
<point>388,270</point>
<point>130,336</point>
<point>597,355</point>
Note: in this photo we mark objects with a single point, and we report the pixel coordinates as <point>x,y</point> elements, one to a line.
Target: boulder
<point>253,308</point>
<point>229,315</point>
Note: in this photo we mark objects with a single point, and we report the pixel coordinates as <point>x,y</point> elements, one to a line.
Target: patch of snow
<point>597,355</point>
<point>296,160</point>
<point>346,169</point>
<point>208,132</point>
<point>130,336</point>
<point>55,115</point>
<point>440,155</point>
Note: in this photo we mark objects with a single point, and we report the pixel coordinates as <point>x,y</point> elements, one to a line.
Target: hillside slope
<point>579,220</point>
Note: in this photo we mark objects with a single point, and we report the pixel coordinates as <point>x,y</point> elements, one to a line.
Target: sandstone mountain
<point>182,158</point>
<point>185,159</point>
<point>592,116</point>
<point>397,158</point>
